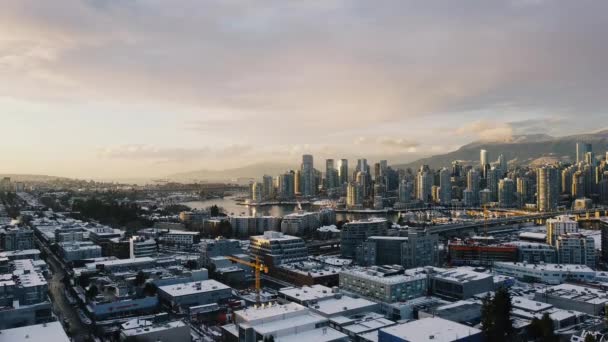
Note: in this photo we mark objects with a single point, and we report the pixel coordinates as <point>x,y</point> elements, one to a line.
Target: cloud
<point>398,143</point>
<point>162,154</point>
<point>487,130</point>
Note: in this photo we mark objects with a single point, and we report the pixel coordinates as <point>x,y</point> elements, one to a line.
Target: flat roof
<point>431,329</point>
<point>526,304</point>
<point>332,306</point>
<point>143,329</point>
<point>547,267</point>
<point>316,335</point>
<point>577,293</point>
<point>193,287</point>
<point>307,293</point>
<point>251,313</point>
<point>461,275</point>
<point>372,275</point>
<point>51,332</point>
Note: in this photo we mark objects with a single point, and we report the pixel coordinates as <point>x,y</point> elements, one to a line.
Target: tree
<point>92,292</point>
<point>214,211</point>
<point>149,290</point>
<point>191,264</point>
<point>590,338</point>
<point>84,280</point>
<point>496,317</point>
<point>140,278</point>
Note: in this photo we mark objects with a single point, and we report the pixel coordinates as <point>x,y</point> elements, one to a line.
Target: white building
<point>300,223</point>
<point>141,247</point>
<point>290,323</point>
<point>429,329</point>
<point>562,224</point>
<point>576,249</point>
<point>146,331</point>
<point>275,248</point>
<point>545,273</point>
<point>383,283</point>
<point>52,332</point>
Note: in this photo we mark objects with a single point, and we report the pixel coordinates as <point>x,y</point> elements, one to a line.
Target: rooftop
<point>52,332</point>
<point>577,293</point>
<point>547,267</point>
<point>145,328</point>
<point>193,288</point>
<point>431,329</point>
<point>333,306</point>
<point>307,293</point>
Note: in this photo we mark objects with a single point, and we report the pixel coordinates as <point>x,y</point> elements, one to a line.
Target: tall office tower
<point>588,171</point>
<point>383,166</point>
<point>405,191</point>
<point>353,195</point>
<point>257,192</point>
<point>547,188</point>
<point>362,165</point>
<point>268,187</point>
<point>362,180</point>
<point>445,186</point>
<point>343,171</point>
<point>567,174</point>
<point>473,186</point>
<point>603,190</point>
<point>298,182</point>
<point>578,185</point>
<point>522,191</point>
<point>590,158</point>
<point>287,185</point>
<point>502,165</point>
<point>331,175</point>
<point>492,179</point>
<point>456,169</point>
<point>484,164</point>
<point>424,184</point>
<point>377,173</point>
<point>506,193</point>
<point>308,176</point>
<point>581,150</point>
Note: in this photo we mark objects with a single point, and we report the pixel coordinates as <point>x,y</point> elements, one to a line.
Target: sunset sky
<point>145,88</point>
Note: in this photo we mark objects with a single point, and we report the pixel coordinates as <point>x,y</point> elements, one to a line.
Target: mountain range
<point>520,150</point>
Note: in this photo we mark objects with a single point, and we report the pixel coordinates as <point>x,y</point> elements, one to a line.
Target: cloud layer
<point>284,75</point>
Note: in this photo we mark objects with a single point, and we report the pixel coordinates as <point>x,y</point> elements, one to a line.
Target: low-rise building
<point>146,331</point>
<point>576,249</point>
<point>460,283</point>
<point>79,250</point>
<point>545,273</point>
<point>430,329</point>
<point>386,284</point>
<point>142,247</point>
<point>52,331</point>
<point>290,323</point>
<point>194,293</point>
<point>300,223</point>
<point>574,297</point>
<point>275,248</point>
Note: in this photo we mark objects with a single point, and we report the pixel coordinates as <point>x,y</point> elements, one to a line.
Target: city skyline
<point>111,90</point>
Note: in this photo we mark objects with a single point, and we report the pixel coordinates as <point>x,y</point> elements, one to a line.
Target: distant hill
<point>523,150</point>
<point>250,171</point>
<point>30,178</point>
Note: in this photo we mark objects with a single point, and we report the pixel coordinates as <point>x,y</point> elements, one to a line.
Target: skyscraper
<point>578,185</point>
<point>424,184</point>
<point>268,187</point>
<point>473,186</point>
<point>581,150</point>
<point>405,191</point>
<point>492,178</point>
<point>362,165</point>
<point>331,175</point>
<point>484,164</point>
<point>287,185</point>
<point>308,176</point>
<point>547,188</point>
<point>343,171</point>
<point>502,165</point>
<point>506,193</point>
<point>353,195</point>
<point>445,186</point>
<point>522,191</point>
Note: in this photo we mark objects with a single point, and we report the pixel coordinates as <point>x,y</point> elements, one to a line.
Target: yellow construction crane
<point>258,268</point>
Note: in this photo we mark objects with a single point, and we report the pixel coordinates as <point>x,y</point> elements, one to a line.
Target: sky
<point>112,89</point>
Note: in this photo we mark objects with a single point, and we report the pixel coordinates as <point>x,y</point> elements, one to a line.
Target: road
<point>61,306</point>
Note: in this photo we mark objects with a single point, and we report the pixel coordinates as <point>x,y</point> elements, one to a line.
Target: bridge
<point>481,224</point>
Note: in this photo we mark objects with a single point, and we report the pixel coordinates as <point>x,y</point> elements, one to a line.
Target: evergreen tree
<point>496,317</point>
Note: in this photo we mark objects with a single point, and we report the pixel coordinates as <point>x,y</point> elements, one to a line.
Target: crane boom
<point>258,268</point>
